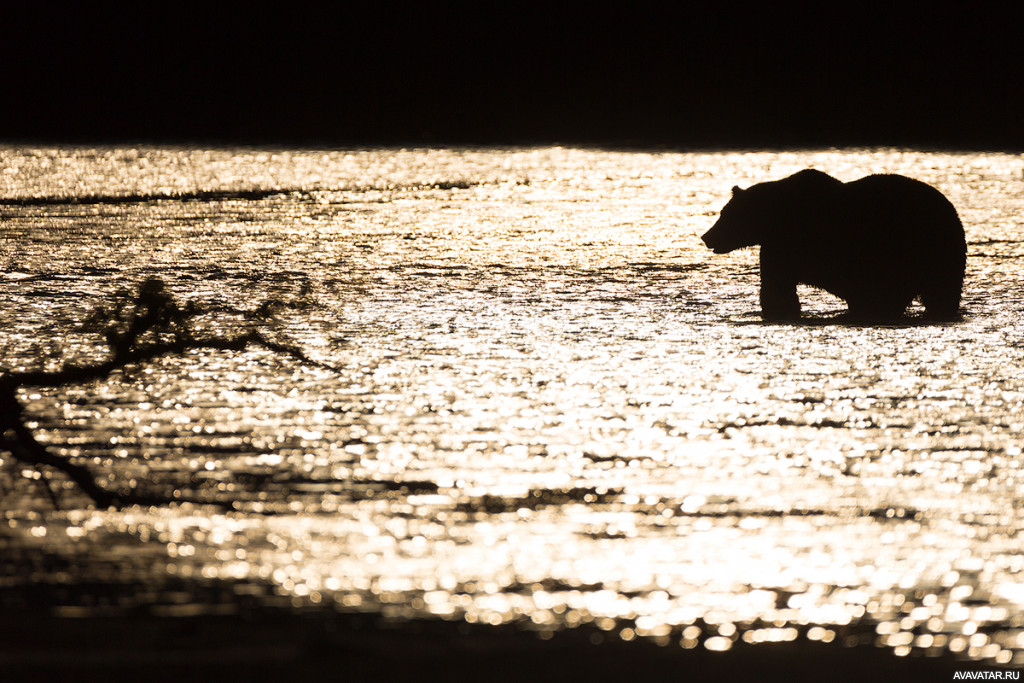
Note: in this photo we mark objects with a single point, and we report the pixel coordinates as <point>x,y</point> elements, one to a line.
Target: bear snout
<point>709,240</point>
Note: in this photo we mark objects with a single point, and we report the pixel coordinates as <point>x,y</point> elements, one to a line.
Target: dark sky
<point>492,73</point>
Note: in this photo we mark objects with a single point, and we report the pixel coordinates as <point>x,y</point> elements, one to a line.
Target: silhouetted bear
<point>876,242</point>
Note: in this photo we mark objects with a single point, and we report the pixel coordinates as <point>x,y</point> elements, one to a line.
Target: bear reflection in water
<point>876,243</point>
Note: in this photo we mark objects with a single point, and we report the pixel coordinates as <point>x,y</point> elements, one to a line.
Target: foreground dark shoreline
<point>280,644</point>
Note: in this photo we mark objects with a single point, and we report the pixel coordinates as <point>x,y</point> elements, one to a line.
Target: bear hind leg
<point>942,283</point>
<point>942,302</point>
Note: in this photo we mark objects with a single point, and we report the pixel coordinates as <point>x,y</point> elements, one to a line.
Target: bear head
<point>738,224</point>
<point>763,211</point>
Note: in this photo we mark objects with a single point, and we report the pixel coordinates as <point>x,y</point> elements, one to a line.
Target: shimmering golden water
<point>555,407</point>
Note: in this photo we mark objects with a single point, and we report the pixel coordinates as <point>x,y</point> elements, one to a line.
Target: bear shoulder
<point>808,188</point>
<point>807,185</point>
<point>812,178</point>
<point>814,175</point>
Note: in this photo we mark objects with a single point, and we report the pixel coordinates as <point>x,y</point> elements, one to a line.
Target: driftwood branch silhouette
<point>138,330</point>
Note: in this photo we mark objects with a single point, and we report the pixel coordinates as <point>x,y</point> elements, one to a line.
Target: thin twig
<point>48,488</point>
<point>75,374</point>
<point>153,311</point>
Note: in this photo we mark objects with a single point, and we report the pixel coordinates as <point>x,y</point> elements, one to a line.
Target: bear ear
<point>736,189</point>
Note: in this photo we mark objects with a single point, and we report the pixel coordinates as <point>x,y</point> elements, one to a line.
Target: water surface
<point>553,405</point>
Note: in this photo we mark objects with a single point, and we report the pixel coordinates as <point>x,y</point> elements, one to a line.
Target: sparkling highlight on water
<point>554,407</point>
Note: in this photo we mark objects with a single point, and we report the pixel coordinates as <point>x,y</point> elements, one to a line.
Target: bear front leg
<point>778,288</point>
